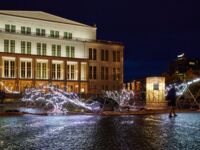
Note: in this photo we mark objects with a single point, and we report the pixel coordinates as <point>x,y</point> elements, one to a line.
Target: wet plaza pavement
<point>101,132</point>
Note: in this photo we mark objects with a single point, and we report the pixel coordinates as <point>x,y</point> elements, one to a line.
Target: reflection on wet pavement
<point>101,133</point>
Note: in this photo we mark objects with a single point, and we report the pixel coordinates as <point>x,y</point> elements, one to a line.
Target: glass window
<point>90,53</point>
<point>114,56</point>
<point>53,71</point>
<point>72,51</point>
<point>23,70</point>
<point>38,48</point>
<point>23,43</point>
<point>102,54</point>
<point>65,35</point>
<point>44,70</point>
<point>6,68</point>
<point>38,31</point>
<point>7,28</point>
<point>106,55</point>
<point>6,45</point>
<point>13,28</point>
<point>12,69</point>
<point>70,35</point>
<point>38,70</point>
<point>58,50</point>
<point>52,33</point>
<point>53,50</point>
<point>94,72</point>
<point>23,30</point>
<point>28,47</point>
<point>29,68</point>
<point>94,54</point>
<point>28,30</point>
<point>90,72</point>
<point>12,46</point>
<point>102,73</point>
<point>57,34</point>
<point>106,73</point>
<point>67,51</point>
<point>44,49</point>
<point>118,56</point>
<point>43,32</point>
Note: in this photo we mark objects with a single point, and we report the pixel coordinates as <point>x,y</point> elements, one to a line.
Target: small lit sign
<point>191,63</point>
<point>181,55</point>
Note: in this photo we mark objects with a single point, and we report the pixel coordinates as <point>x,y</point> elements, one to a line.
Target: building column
<point>65,75</point>
<point>17,72</point>
<point>79,77</point>
<point>50,71</point>
<point>33,71</point>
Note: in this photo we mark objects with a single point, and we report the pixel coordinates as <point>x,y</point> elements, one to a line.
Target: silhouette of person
<point>172,101</point>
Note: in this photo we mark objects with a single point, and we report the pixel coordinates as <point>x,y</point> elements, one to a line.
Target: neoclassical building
<point>38,48</point>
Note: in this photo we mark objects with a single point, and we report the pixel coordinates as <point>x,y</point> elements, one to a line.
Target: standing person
<point>172,101</point>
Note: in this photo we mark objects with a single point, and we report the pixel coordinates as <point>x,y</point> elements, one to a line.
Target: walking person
<point>172,101</point>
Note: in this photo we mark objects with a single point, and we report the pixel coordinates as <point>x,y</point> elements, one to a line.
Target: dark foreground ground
<point>94,132</point>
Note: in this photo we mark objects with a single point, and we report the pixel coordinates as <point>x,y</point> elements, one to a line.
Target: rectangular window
<point>70,35</point>
<point>38,31</point>
<point>53,50</point>
<point>53,71</point>
<point>23,68</point>
<point>12,69</point>
<point>67,51</point>
<point>51,33</point>
<point>65,35</point>
<point>94,54</point>
<point>6,46</point>
<point>44,49</point>
<point>43,32</point>
<point>118,56</point>
<point>28,30</point>
<point>59,50</point>
<point>38,70</point>
<point>106,73</point>
<point>44,70</point>
<point>23,47</point>
<point>72,72</point>
<point>23,30</point>
<point>72,51</point>
<point>12,46</point>
<point>90,53</point>
<point>6,68</point>
<point>58,71</point>
<point>38,48</point>
<point>106,55</point>
<point>114,56</point>
<point>28,47</point>
<point>57,34</point>
<point>9,68</point>
<point>102,73</point>
<point>13,28</point>
<point>94,72</point>
<point>114,74</point>
<point>90,72</point>
<point>7,28</point>
<point>29,69</point>
<point>102,55</point>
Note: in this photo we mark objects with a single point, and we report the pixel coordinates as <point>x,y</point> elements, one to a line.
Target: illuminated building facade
<point>37,49</point>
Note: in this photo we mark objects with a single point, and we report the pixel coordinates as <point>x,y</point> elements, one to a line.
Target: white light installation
<point>182,87</point>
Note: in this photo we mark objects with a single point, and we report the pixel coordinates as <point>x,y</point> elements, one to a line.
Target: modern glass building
<point>37,49</point>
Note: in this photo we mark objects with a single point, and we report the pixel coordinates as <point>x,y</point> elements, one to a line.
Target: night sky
<point>153,31</point>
